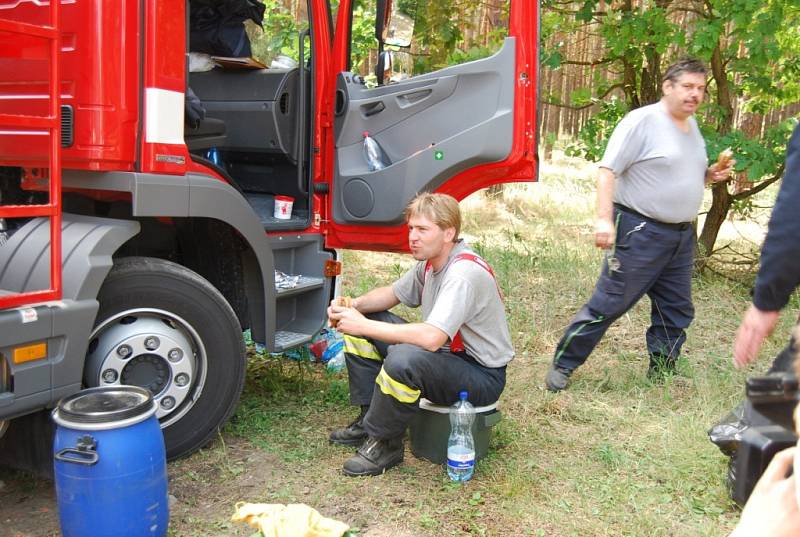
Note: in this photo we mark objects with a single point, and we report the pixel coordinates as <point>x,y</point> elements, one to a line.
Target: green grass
<point>613,455</point>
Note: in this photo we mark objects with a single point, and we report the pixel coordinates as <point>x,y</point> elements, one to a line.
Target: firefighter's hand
<point>756,326</point>
<point>343,301</point>
<point>348,320</point>
<point>604,233</point>
<point>772,509</point>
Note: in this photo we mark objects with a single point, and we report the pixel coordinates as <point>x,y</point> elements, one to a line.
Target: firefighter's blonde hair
<point>441,209</point>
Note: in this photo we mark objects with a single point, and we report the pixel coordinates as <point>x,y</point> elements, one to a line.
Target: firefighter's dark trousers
<point>648,258</point>
<point>391,379</point>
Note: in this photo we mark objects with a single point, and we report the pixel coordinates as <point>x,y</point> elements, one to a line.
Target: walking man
<point>462,343</point>
<point>649,189</point>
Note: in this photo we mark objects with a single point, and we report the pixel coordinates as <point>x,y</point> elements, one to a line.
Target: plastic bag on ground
<point>727,433</point>
<point>293,520</point>
<point>333,356</point>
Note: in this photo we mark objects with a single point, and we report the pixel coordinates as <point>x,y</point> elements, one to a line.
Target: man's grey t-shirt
<point>462,296</point>
<point>660,170</point>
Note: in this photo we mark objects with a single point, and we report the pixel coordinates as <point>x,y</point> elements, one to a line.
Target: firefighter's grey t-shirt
<point>660,170</point>
<point>463,296</point>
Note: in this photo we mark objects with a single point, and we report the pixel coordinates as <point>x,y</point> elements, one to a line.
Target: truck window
<point>252,124</point>
<point>445,32</point>
<point>278,34</point>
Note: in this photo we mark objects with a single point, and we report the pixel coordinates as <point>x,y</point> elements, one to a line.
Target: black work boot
<point>352,435</point>
<point>557,378</point>
<point>375,456</point>
<point>660,366</point>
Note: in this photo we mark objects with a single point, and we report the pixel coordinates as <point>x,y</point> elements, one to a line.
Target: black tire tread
<point>174,276</point>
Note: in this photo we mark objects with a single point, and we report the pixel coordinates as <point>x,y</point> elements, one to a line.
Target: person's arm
<point>756,326</point>
<point>352,322</point>
<point>379,299</point>
<point>771,510</point>
<point>605,232</point>
<point>779,273</point>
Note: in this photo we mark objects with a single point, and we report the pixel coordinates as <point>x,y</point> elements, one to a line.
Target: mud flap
<point>28,444</point>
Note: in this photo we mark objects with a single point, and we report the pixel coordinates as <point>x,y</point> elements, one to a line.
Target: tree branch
<point>602,61</point>
<point>574,12</point>
<point>760,186</point>
<point>688,10</point>
<point>583,106</point>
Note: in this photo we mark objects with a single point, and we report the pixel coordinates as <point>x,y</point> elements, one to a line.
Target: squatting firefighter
<point>463,342</point>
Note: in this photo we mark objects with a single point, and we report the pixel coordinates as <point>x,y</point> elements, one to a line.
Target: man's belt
<point>680,226</point>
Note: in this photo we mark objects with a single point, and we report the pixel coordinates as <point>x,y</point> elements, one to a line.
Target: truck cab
<point>161,244</point>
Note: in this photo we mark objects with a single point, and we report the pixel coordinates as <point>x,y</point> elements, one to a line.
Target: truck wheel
<point>165,328</point>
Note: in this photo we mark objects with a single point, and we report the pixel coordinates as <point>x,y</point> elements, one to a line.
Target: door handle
<point>372,108</point>
<point>413,97</point>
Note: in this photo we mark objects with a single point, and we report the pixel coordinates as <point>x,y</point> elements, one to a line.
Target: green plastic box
<point>430,429</point>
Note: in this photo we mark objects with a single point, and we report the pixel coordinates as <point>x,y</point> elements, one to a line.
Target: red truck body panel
<point>99,59</point>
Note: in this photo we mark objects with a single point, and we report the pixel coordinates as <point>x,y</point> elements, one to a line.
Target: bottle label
<point>461,461</point>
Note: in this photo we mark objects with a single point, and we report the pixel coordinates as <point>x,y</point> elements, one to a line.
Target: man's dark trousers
<point>404,373</point>
<point>648,258</point>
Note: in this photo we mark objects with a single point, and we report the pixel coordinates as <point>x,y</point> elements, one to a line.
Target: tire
<point>165,328</point>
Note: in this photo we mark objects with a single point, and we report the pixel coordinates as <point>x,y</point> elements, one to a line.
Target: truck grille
<point>67,125</point>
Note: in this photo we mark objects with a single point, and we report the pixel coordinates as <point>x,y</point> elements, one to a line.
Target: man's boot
<point>557,378</point>
<point>352,435</point>
<point>660,366</point>
<point>375,456</point>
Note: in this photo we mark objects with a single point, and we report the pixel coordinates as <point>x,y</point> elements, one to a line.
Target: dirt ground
<point>203,492</point>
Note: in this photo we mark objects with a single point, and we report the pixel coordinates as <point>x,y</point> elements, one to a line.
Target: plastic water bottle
<point>461,445</point>
<point>214,156</point>
<point>373,153</point>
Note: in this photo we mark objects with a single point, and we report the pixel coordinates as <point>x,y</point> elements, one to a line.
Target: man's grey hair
<point>685,65</point>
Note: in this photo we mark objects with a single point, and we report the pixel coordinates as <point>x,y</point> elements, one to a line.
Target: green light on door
<point>438,155</point>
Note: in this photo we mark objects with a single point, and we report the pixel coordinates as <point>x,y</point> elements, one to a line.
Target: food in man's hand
<point>343,301</point>
<point>724,159</point>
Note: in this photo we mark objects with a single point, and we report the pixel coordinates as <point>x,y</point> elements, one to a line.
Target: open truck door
<point>455,130</point>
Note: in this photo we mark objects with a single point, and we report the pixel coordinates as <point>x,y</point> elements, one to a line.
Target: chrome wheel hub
<point>152,349</point>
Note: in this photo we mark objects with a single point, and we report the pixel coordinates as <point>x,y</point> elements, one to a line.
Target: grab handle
<point>84,453</point>
<point>373,108</point>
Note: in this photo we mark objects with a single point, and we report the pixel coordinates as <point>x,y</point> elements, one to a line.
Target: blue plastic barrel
<point>110,464</point>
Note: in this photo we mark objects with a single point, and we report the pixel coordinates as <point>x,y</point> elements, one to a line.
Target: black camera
<point>756,430</point>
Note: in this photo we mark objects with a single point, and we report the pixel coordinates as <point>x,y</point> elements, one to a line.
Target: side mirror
<point>393,26</point>
<point>382,11</point>
<point>399,29</point>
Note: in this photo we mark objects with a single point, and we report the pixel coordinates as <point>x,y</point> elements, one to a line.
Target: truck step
<point>285,339</point>
<point>305,283</point>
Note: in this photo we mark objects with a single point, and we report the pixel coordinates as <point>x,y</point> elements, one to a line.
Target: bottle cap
<point>462,395</point>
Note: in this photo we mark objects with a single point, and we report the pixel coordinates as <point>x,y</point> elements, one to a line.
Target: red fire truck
<point>128,257</point>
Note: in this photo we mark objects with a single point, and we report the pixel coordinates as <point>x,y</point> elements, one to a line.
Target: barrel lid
<point>105,404</point>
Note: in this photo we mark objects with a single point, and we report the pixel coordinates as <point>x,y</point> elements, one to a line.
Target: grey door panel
<point>464,113</point>
<point>398,106</point>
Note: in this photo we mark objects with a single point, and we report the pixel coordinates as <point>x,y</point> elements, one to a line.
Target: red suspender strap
<point>456,345</point>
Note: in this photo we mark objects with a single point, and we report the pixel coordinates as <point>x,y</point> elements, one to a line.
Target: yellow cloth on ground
<point>293,520</point>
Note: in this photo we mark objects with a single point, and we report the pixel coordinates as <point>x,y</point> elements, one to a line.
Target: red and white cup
<point>283,207</point>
